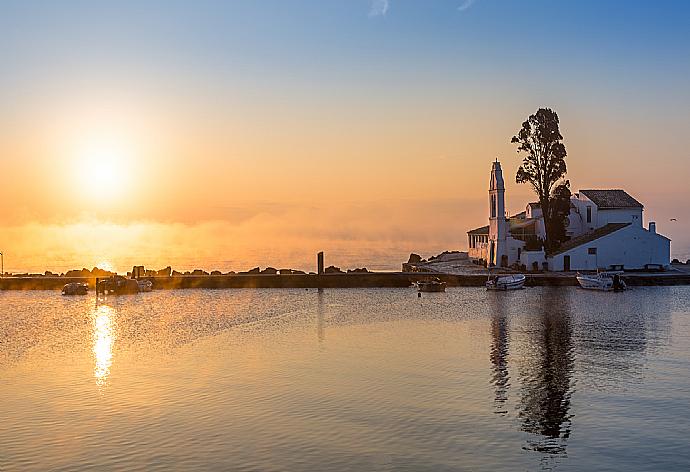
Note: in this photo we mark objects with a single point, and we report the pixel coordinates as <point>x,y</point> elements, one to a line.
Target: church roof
<point>482,230</point>
<point>589,237</point>
<point>604,199</point>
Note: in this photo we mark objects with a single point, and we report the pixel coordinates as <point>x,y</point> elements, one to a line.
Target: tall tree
<point>543,167</point>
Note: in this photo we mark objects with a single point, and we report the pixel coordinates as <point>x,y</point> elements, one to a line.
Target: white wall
<point>633,247</point>
<point>601,217</point>
<point>529,257</point>
<point>619,215</point>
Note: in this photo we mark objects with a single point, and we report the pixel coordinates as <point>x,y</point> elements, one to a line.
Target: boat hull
<point>431,287</point>
<point>600,283</point>
<point>512,282</point>
<point>75,288</point>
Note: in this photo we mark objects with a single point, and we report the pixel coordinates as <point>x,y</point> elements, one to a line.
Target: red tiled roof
<point>482,230</point>
<point>611,199</point>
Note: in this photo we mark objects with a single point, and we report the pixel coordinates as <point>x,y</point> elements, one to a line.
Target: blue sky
<point>349,94</point>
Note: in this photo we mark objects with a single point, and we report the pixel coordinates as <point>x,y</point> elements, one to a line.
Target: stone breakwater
<point>341,280</point>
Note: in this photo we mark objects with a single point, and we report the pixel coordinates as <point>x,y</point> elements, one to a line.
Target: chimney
<point>652,227</point>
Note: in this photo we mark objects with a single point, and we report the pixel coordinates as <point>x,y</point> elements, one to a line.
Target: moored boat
<point>145,285</point>
<point>75,288</point>
<point>434,285</point>
<point>117,285</point>
<point>603,281</point>
<point>506,282</point>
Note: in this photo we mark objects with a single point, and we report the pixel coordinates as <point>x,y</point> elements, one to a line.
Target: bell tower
<point>497,216</point>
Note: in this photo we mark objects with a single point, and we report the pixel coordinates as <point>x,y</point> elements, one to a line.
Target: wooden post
<point>319,263</point>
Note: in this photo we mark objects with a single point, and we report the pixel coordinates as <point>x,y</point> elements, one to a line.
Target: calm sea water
<point>541,379</point>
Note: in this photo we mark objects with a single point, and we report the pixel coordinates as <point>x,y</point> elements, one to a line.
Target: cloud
<point>466,4</point>
<point>379,8</point>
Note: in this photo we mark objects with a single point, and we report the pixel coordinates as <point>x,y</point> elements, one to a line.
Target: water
<point>541,379</point>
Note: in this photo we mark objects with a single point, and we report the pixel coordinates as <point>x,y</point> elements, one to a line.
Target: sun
<point>103,169</point>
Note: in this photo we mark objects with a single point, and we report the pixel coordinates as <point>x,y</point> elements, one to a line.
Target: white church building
<point>604,228</point>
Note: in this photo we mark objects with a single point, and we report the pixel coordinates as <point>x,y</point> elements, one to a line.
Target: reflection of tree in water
<point>546,378</point>
<point>499,353</point>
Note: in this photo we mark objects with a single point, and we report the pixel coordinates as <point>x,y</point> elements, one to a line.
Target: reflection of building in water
<point>103,340</point>
<point>546,376</point>
<point>499,352</point>
<point>613,338</point>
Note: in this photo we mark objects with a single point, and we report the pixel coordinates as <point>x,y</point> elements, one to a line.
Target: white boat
<point>75,288</point>
<point>604,281</point>
<point>506,282</point>
<point>434,285</point>
<point>145,285</point>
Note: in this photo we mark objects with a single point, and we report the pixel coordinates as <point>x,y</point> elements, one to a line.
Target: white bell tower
<point>497,216</point>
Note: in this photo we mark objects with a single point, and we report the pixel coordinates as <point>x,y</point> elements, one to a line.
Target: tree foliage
<point>544,168</point>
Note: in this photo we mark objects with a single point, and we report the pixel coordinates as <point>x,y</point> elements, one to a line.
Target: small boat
<point>604,281</point>
<point>75,288</point>
<point>506,282</point>
<point>145,285</point>
<point>117,285</point>
<point>434,285</point>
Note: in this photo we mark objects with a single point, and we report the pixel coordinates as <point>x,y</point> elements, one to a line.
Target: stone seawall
<point>366,280</point>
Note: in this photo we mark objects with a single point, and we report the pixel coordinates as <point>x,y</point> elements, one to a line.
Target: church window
<point>493,206</point>
<point>589,214</point>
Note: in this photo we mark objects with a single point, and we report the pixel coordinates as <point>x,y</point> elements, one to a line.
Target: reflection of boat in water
<point>433,285</point>
<point>604,281</point>
<point>119,285</point>
<point>506,282</point>
<point>75,288</point>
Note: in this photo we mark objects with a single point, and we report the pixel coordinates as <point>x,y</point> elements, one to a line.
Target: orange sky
<point>216,152</point>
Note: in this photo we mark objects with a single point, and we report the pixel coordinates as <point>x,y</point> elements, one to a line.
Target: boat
<point>75,288</point>
<point>506,282</point>
<point>433,285</point>
<point>145,285</point>
<point>117,285</point>
<point>604,281</point>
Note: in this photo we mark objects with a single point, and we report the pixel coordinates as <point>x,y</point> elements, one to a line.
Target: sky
<point>232,134</point>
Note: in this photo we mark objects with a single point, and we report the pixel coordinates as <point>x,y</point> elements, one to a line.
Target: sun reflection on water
<point>103,340</point>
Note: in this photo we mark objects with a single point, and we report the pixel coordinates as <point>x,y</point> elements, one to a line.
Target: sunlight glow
<point>103,169</point>
<point>105,265</point>
<point>103,340</point>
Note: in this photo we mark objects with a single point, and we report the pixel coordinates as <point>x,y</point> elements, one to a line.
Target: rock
<point>269,271</point>
<point>176,273</point>
<point>363,270</point>
<point>231,272</point>
<point>298,272</point>
<point>675,261</point>
<point>216,272</point>
<point>333,270</point>
<point>255,270</point>
<point>167,272</point>
<point>414,259</point>
<point>199,272</point>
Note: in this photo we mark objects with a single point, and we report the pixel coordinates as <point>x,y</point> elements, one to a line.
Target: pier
<point>344,280</point>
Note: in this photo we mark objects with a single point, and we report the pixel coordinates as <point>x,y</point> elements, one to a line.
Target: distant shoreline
<point>341,280</point>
